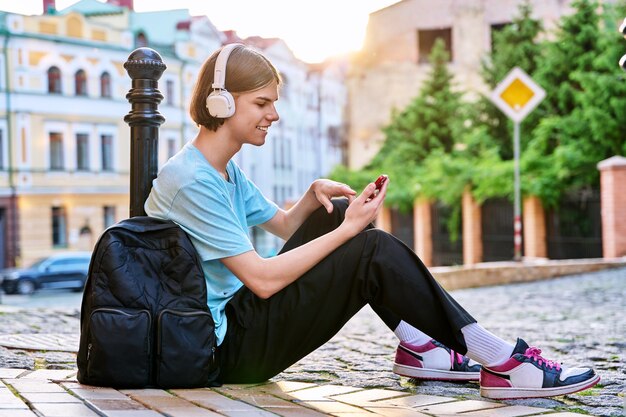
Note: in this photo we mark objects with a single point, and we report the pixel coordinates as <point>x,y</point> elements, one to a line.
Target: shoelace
<point>535,354</point>
<point>455,355</point>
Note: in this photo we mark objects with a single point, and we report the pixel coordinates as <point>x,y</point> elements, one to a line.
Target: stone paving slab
<point>61,342</point>
<point>56,393</point>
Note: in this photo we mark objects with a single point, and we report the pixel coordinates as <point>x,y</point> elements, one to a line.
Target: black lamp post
<point>145,67</point>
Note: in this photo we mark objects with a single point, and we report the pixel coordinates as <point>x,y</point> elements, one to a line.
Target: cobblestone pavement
<point>577,319</point>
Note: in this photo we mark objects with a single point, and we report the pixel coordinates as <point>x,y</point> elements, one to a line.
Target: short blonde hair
<point>246,70</point>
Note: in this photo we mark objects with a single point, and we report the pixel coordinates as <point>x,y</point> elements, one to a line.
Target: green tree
<point>573,51</point>
<point>602,101</point>
<point>514,45</point>
<point>584,106</point>
<point>483,160</point>
<point>433,121</point>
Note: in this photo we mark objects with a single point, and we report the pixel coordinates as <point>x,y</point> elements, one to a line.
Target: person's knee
<point>378,235</point>
<point>378,241</point>
<point>340,204</point>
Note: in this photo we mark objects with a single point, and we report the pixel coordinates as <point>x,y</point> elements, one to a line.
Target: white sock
<point>411,335</point>
<point>484,347</point>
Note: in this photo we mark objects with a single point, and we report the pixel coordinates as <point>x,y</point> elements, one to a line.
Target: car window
<point>80,262</point>
<point>69,264</point>
<point>38,262</point>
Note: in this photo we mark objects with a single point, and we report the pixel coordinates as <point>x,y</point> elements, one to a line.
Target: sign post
<point>517,95</point>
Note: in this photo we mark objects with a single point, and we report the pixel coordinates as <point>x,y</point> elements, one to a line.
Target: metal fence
<point>497,230</point>
<point>574,228</point>
<point>445,251</point>
<point>402,227</point>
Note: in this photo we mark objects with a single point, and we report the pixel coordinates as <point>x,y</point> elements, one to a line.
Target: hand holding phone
<point>380,181</point>
<point>379,184</point>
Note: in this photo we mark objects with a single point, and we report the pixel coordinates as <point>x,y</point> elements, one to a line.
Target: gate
<point>497,230</point>
<point>574,228</point>
<point>402,227</point>
<point>445,252</point>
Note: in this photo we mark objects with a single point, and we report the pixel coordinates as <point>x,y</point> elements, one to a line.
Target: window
<point>106,147</point>
<point>171,147</point>
<point>105,85</point>
<point>56,151</point>
<point>82,152</point>
<point>169,92</point>
<point>68,265</point>
<point>54,80</point>
<point>288,161</point>
<point>59,227</point>
<point>497,28</point>
<point>74,27</point>
<point>80,82</point>
<point>141,40</point>
<point>109,216</point>
<point>426,40</point>
<point>333,136</point>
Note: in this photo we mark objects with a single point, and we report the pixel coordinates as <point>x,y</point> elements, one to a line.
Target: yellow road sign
<point>517,95</point>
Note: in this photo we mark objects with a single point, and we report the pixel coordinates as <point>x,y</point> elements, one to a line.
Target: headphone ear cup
<point>220,104</point>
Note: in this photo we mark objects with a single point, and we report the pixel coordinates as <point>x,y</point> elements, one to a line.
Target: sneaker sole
<point>434,374</point>
<point>512,393</point>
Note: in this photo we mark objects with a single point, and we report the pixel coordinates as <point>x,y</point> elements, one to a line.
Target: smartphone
<point>380,181</point>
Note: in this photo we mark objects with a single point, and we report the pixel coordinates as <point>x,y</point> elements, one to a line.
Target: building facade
<point>64,175</point>
<point>388,71</point>
<point>64,147</point>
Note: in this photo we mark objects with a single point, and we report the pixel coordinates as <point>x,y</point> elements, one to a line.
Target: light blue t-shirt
<point>215,213</point>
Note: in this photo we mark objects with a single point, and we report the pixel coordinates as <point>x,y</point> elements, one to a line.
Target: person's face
<point>255,111</point>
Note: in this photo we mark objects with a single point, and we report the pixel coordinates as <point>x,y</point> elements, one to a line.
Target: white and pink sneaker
<point>528,375</point>
<point>434,361</point>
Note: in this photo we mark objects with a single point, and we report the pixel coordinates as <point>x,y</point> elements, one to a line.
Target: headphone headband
<point>219,76</point>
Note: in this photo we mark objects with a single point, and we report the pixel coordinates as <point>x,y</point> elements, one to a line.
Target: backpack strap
<point>139,224</point>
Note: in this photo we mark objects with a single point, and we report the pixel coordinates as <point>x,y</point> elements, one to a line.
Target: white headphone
<point>220,103</point>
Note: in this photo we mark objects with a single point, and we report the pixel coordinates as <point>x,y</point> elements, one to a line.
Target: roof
<point>91,8</point>
<point>159,27</point>
<point>261,43</point>
<point>231,37</point>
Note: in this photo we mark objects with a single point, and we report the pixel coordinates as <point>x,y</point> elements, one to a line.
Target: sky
<point>314,30</point>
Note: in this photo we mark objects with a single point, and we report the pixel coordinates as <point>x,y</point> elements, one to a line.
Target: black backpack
<point>144,316</point>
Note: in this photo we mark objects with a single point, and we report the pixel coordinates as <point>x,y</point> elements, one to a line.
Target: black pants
<point>265,337</point>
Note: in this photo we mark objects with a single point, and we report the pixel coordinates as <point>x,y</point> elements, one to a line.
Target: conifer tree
<point>515,45</point>
<point>483,160</point>
<point>433,121</point>
<point>584,106</point>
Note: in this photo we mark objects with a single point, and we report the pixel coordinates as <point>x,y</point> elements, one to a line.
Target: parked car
<point>67,270</point>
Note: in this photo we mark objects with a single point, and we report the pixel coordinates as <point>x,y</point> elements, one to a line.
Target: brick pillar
<point>613,203</point>
<point>472,230</point>
<point>383,221</point>
<point>534,220</point>
<point>422,231</point>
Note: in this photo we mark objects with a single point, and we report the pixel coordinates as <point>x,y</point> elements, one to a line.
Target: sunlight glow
<point>313,30</point>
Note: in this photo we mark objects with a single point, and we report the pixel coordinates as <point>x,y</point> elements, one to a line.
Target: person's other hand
<point>324,190</point>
